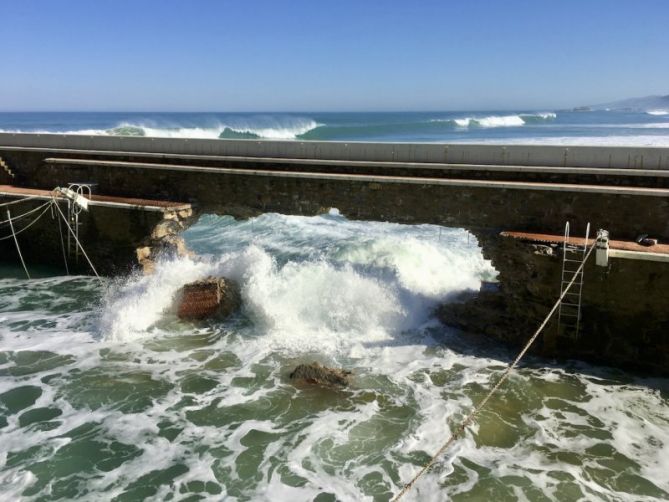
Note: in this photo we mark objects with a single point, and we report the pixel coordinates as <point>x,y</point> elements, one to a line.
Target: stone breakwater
<point>483,189</point>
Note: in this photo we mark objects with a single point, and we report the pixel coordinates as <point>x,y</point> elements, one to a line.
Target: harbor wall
<point>521,155</point>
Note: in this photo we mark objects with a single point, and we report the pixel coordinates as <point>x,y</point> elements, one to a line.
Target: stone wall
<point>625,306</point>
<point>455,206</point>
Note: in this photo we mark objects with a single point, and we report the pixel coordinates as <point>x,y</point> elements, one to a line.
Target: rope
<point>18,201</point>
<point>470,418</point>
<point>27,226</point>
<point>78,243</point>
<point>16,241</point>
<point>16,218</point>
<point>62,242</point>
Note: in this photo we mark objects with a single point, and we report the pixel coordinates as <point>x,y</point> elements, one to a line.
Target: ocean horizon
<point>545,126</point>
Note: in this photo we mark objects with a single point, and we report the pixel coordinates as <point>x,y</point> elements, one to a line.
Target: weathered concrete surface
<point>473,207</point>
<point>523,155</point>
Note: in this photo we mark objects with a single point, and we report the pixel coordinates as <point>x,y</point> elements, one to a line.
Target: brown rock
<point>210,297</point>
<point>314,373</point>
<point>165,228</point>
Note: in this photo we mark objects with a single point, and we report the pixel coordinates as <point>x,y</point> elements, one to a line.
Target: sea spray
<point>325,294</point>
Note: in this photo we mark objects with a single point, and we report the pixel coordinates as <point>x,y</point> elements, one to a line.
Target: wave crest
<point>501,120</point>
<point>253,128</point>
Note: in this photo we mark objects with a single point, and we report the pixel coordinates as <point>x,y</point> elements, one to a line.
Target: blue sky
<point>318,55</point>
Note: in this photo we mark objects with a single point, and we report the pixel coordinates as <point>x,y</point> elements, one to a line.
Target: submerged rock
<point>314,373</point>
<point>210,297</point>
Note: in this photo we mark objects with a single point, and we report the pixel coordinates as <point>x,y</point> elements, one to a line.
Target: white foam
<point>658,112</point>
<point>333,290</point>
<point>138,302</point>
<point>500,120</point>
<point>267,127</point>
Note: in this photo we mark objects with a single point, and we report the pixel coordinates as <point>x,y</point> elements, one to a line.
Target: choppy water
<point>598,127</point>
<point>105,395</point>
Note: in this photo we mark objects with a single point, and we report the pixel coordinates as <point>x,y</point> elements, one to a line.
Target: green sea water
<point>106,395</point>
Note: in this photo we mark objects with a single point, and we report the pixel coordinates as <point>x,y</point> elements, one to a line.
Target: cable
<point>79,244</point>
<point>470,418</point>
<point>16,241</point>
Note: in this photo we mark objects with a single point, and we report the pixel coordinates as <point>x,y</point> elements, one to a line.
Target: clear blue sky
<point>318,55</point>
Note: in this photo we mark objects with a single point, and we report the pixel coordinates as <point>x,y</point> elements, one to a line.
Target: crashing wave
<point>657,112</point>
<point>261,127</point>
<point>501,120</point>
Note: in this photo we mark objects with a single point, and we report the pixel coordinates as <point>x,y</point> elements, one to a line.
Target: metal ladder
<point>73,212</point>
<point>569,313</point>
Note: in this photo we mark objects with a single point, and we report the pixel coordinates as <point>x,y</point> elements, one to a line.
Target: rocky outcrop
<point>165,239</point>
<point>314,373</point>
<point>211,297</point>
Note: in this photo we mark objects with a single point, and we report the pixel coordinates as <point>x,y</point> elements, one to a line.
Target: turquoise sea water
<point>641,127</point>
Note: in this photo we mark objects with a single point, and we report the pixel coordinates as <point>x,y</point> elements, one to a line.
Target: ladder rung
<point>567,304</point>
<point>573,261</point>
<point>569,315</point>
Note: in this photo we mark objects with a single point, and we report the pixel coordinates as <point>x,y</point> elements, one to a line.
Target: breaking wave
<point>501,120</point>
<point>658,112</point>
<point>261,127</point>
<point>338,288</point>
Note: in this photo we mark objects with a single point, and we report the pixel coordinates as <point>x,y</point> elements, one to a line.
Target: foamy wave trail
<point>658,112</point>
<point>501,120</point>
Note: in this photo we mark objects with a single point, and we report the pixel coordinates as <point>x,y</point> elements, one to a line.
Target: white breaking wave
<point>370,287</point>
<point>658,112</point>
<point>501,120</point>
<point>260,127</point>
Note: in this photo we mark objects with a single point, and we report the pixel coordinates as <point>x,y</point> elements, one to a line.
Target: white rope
<point>19,200</point>
<point>470,418</point>
<point>27,226</point>
<point>23,215</point>
<point>78,243</point>
<point>16,241</point>
<point>62,242</point>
